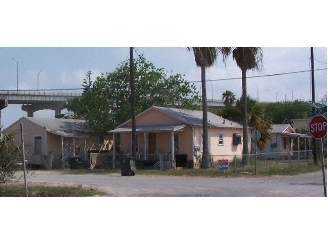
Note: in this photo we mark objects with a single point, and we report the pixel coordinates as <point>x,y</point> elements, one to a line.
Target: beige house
<point>173,137</point>
<point>49,142</point>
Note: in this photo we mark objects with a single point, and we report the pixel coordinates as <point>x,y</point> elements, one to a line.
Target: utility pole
<point>133,113</point>
<point>39,79</point>
<point>16,72</point>
<point>314,141</point>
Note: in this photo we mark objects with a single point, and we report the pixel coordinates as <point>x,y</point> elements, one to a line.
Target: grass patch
<point>263,168</point>
<point>14,190</point>
<point>293,170</point>
<point>246,171</point>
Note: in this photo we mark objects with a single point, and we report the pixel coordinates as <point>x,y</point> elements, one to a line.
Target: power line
<point>320,61</point>
<point>209,80</point>
<point>260,76</point>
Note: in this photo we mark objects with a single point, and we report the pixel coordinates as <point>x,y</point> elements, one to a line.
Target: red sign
<point>318,126</point>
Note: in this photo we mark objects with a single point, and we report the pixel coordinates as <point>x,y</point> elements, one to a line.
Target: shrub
<point>9,155</point>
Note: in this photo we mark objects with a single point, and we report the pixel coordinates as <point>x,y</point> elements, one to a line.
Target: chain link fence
<point>261,162</point>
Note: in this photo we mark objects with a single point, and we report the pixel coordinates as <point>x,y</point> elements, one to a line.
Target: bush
<point>9,155</point>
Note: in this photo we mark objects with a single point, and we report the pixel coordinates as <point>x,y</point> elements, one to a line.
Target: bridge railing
<point>36,95</point>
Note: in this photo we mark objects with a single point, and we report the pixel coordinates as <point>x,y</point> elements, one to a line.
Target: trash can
<point>181,160</point>
<point>75,162</point>
<point>126,167</point>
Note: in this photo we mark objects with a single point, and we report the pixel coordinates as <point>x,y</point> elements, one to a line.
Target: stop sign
<point>318,126</point>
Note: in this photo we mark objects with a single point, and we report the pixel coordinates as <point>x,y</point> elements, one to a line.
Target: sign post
<point>318,129</point>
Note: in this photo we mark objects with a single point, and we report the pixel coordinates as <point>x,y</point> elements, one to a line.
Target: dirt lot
<point>305,185</point>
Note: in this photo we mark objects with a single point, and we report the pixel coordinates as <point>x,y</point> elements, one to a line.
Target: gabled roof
<point>281,128</point>
<point>67,125</point>
<point>62,127</point>
<point>189,117</point>
<point>195,118</point>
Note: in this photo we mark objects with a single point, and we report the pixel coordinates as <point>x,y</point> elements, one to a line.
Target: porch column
<point>305,147</point>
<point>46,141</point>
<point>73,146</point>
<point>62,150</point>
<point>85,149</point>
<point>298,148</point>
<point>113,165</point>
<point>172,150</point>
<point>145,146</point>
<point>193,146</point>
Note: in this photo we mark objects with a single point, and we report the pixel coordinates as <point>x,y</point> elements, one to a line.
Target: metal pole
<point>16,72</point>
<point>323,171</point>
<point>256,152</point>
<point>315,157</point>
<point>17,75</point>
<point>234,164</point>
<point>23,153</point>
<point>39,78</point>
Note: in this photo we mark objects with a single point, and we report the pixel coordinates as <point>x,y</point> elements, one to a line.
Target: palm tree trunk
<point>205,157</point>
<point>133,113</point>
<point>245,158</point>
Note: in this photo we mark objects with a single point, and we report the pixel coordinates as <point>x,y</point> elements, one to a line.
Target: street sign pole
<point>318,129</point>
<point>323,170</point>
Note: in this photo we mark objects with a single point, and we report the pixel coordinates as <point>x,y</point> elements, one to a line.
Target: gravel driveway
<point>304,185</point>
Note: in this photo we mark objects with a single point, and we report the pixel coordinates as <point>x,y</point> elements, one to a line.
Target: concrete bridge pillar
<point>57,112</point>
<point>31,108</point>
<point>30,113</point>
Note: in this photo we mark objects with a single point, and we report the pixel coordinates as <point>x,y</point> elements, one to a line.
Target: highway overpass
<point>33,101</point>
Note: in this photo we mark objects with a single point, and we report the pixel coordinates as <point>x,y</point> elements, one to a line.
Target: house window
<point>37,145</point>
<point>221,139</point>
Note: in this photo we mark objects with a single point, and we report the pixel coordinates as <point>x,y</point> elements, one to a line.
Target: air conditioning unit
<point>236,139</point>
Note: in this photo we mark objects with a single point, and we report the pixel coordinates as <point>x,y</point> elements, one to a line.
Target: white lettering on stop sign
<point>318,127</point>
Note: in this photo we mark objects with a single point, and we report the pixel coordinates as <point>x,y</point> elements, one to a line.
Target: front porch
<point>161,147</point>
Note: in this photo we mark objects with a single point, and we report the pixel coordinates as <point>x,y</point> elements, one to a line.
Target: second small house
<point>51,143</point>
<point>171,137</point>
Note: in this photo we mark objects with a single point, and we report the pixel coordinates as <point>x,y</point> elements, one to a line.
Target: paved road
<point>305,185</point>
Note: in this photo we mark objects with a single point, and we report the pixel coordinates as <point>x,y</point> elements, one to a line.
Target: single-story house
<point>283,139</point>
<point>174,137</point>
<point>49,142</point>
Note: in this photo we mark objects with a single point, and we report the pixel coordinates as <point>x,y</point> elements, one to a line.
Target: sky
<point>44,68</point>
<point>55,43</point>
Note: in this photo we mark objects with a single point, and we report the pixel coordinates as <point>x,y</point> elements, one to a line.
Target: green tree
<point>76,106</point>
<point>256,117</point>
<point>246,59</point>
<point>9,154</point>
<point>205,57</point>
<point>228,98</point>
<point>105,104</point>
<point>285,112</point>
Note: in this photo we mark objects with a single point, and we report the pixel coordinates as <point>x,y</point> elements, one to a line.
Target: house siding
<point>228,150</point>
<point>155,117</point>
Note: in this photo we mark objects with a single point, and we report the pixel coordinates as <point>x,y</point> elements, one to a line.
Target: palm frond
<point>248,57</point>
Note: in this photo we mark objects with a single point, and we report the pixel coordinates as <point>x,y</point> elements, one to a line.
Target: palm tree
<point>205,57</point>
<point>246,58</point>
<point>228,97</point>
